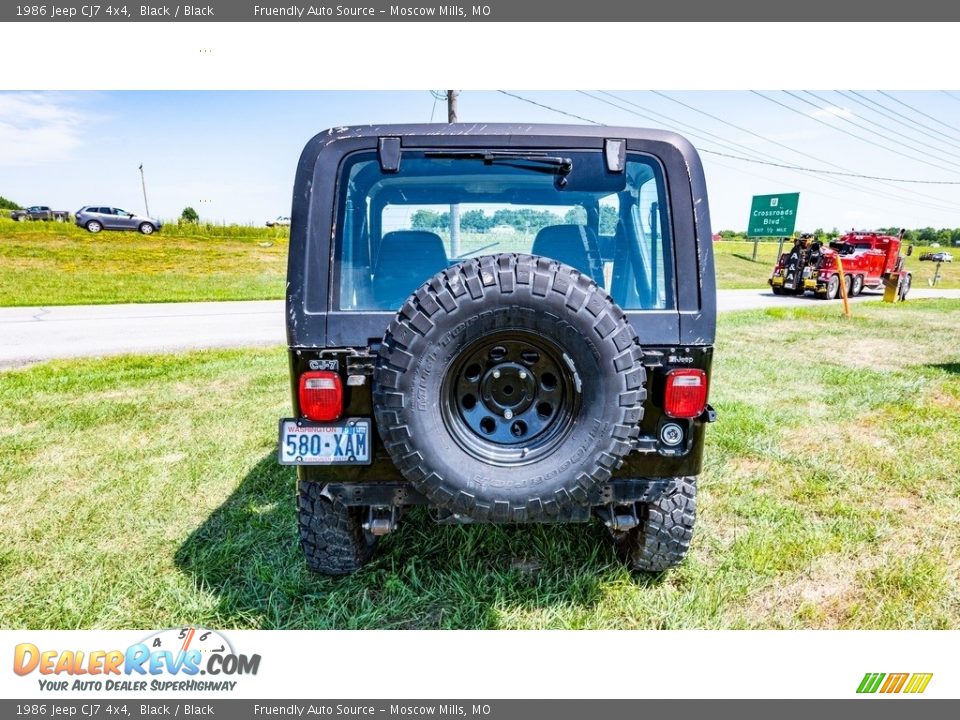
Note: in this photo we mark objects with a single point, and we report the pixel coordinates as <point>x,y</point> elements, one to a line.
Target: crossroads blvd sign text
<point>773,215</point>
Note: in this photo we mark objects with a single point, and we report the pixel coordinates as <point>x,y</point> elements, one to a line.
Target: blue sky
<point>232,155</point>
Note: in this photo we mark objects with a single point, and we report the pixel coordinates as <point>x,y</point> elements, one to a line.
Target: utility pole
<point>143,184</point>
<point>454,209</point>
<point>452,105</point>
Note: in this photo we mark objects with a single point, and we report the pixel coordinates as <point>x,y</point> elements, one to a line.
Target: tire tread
<point>662,539</point>
<point>331,534</point>
<point>481,281</point>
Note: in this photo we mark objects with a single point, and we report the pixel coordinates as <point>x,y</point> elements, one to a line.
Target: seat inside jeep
<point>405,259</point>
<point>573,245</point>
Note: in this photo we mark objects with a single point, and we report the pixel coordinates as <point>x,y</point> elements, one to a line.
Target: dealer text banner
<point>108,708</point>
<point>486,11</point>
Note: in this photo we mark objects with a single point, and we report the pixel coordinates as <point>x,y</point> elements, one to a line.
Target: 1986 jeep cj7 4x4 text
<point>507,323</point>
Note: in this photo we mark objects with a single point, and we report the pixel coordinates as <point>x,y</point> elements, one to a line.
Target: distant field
<point>736,268</point>
<point>60,264</point>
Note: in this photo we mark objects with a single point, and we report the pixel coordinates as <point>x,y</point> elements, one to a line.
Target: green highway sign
<point>773,215</point>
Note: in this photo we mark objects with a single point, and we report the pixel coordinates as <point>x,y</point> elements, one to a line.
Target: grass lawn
<point>143,492</point>
<point>210,262</point>
<point>57,264</point>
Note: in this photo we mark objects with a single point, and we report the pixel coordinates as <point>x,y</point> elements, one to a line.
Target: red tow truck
<point>869,260</point>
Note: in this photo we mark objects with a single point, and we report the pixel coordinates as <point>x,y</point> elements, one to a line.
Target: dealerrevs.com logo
<point>172,659</point>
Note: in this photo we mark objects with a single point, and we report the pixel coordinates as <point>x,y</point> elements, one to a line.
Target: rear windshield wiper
<point>540,162</point>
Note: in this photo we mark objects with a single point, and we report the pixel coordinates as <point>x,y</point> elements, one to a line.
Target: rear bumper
<point>399,494</point>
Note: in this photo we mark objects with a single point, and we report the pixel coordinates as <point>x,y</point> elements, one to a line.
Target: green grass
<point>45,263</point>
<point>143,492</point>
<point>236,262</point>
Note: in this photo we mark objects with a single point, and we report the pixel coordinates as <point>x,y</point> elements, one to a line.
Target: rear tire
<point>662,539</point>
<point>833,288</point>
<point>331,534</point>
<point>905,286</point>
<point>848,283</point>
<point>778,291</point>
<point>22,218</point>
<point>857,285</point>
<point>94,226</point>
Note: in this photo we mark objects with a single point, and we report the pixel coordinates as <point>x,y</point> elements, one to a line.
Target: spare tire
<point>508,388</point>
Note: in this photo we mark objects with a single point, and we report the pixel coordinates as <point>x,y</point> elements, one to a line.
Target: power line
<point>848,185</point>
<point>694,131</point>
<point>814,171</point>
<point>834,172</point>
<point>808,155</point>
<point>547,107</point>
<point>918,112</point>
<point>952,137</point>
<point>832,127</point>
<point>950,95</point>
<point>743,129</point>
<point>902,119</point>
<point>807,189</point>
<point>863,139</point>
<point>911,138</point>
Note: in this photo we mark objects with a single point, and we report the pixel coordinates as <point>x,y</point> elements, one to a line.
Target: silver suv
<point>96,218</point>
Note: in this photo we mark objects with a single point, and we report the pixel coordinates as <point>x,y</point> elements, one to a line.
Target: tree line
<point>916,236</point>
<point>524,220</point>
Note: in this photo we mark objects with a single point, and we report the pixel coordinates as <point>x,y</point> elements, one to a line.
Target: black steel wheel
<point>509,399</point>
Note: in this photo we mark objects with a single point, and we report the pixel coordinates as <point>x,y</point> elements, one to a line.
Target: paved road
<point>32,334</point>
<point>759,299</point>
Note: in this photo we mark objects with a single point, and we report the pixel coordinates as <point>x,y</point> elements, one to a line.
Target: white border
<point>477,56</point>
<point>381,664</point>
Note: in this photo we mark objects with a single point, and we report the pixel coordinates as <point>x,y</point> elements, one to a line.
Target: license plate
<point>309,443</point>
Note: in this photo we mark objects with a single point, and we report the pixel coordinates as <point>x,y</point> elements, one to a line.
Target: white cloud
<point>38,128</point>
<point>831,112</point>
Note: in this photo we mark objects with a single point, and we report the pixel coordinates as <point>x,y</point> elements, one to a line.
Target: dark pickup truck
<point>40,212</point>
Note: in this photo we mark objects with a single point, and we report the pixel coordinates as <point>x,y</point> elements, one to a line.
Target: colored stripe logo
<point>912,683</point>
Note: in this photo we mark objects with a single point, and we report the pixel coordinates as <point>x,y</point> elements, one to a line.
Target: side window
<point>653,270</point>
<point>642,270</point>
<point>608,226</point>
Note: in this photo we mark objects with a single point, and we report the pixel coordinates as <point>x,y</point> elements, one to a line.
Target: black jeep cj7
<point>508,323</point>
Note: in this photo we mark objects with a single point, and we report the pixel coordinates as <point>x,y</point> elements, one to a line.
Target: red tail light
<point>686,393</point>
<point>321,395</point>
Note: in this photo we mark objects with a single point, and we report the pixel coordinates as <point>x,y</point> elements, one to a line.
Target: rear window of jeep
<point>396,230</point>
